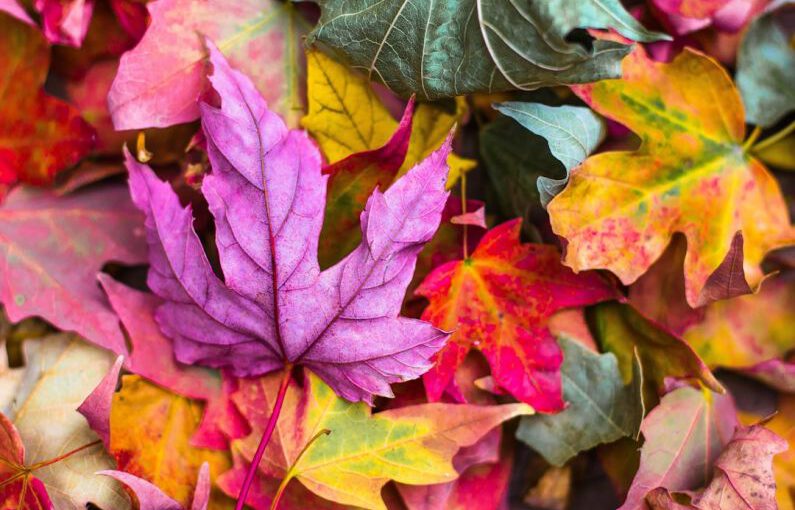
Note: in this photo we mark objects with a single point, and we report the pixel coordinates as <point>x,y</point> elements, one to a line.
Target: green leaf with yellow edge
<point>620,329</point>
<point>412,445</point>
<point>150,431</point>
<point>692,174</point>
<point>346,117</point>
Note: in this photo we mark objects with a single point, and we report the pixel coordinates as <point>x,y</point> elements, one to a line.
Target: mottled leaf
<point>161,79</point>
<point>150,431</point>
<point>459,47</point>
<point>498,301</point>
<point>690,175</point>
<point>600,408</point>
<point>52,249</point>
<point>413,444</point>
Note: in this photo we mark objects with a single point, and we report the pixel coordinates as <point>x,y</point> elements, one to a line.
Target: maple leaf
<point>150,497</point>
<point>61,370</point>
<point>743,475</point>
<point>13,8</point>
<point>690,175</point>
<point>684,435</point>
<point>19,488</point>
<point>39,134</point>
<point>413,444</point>
<point>52,250</point>
<point>150,431</point>
<point>498,302</point>
<point>274,307</point>
<point>783,423</point>
<point>160,80</point>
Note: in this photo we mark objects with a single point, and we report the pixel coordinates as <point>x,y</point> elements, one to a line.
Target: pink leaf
<point>476,218</point>
<point>274,306</point>
<point>52,249</point>
<point>96,406</point>
<point>65,21</point>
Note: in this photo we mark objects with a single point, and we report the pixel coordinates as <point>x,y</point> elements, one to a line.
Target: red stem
<point>266,436</point>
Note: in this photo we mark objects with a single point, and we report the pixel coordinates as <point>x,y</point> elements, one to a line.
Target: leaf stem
<point>464,211</point>
<point>752,138</point>
<point>266,436</point>
<point>291,472</point>
<point>770,140</point>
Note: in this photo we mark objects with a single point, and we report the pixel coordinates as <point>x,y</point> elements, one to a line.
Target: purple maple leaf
<point>274,306</point>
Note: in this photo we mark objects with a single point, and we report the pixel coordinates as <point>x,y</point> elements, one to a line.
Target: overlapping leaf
<point>690,175</point>
<point>274,306</point>
<point>350,465</point>
<point>498,302</point>
<point>161,79</point>
<point>459,47</point>
<point>601,409</point>
<point>39,134</point>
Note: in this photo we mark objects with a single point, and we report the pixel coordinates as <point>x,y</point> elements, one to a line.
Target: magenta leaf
<point>274,307</point>
<point>150,497</point>
<point>96,407</point>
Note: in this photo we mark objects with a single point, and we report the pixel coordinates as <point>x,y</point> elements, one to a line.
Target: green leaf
<point>766,69</point>
<point>601,409</point>
<point>448,48</point>
<point>571,132</point>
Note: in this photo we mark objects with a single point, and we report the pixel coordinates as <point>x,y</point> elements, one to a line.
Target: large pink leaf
<point>160,80</point>
<point>150,497</point>
<point>51,250</point>
<point>274,306</point>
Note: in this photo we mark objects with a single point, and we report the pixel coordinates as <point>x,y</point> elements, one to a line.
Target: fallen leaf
<point>413,444</point>
<point>150,497</point>
<point>40,135</point>
<point>747,331</point>
<point>61,370</point>
<point>743,476</point>
<point>600,408</point>
<point>783,424</point>
<point>571,132</point>
<point>684,435</point>
<point>690,175</point>
<point>620,329</point>
<point>351,180</point>
<point>18,489</point>
<point>150,431</point>
<point>766,67</point>
<point>498,302</point>
<point>470,46</point>
<point>347,117</point>
<point>476,218</point>
<point>268,256</point>
<point>161,79</point>
<point>13,8</point>
<point>52,250</point>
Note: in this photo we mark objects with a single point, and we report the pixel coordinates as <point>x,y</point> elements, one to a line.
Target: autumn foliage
<point>403,255</point>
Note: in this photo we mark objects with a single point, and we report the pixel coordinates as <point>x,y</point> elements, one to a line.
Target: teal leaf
<point>571,132</point>
<point>437,48</point>
<point>766,67</point>
<point>601,409</point>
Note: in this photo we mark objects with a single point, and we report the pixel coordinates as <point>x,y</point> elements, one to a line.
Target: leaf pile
<point>403,255</point>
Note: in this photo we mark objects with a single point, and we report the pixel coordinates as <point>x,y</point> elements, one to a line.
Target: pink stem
<point>266,436</point>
